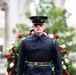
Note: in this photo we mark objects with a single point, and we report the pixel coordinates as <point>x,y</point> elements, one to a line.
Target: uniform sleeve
<point>21,58</point>
<point>57,58</point>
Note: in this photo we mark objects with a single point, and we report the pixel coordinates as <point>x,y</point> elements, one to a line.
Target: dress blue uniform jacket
<point>39,49</point>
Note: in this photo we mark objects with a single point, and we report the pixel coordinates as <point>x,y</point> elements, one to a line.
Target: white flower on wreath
<point>63,46</point>
<point>7,49</point>
<point>64,67</point>
<point>12,42</point>
<point>62,62</point>
<point>12,64</point>
<point>66,60</point>
<point>51,35</point>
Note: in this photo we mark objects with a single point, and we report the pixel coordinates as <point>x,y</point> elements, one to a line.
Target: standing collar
<point>42,37</point>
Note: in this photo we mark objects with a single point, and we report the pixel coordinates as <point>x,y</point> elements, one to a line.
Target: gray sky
<point>70,5</point>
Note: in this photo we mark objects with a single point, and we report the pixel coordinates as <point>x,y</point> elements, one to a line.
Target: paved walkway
<point>2,67</point>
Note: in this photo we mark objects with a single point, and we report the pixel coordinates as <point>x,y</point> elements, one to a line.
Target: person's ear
<point>44,26</point>
<point>32,26</point>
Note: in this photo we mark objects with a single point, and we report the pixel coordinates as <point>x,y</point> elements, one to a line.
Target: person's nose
<point>38,26</point>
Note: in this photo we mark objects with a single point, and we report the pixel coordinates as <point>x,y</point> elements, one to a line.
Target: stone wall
<point>1,32</point>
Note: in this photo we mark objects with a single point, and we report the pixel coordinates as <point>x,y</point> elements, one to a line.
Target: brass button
<point>35,64</point>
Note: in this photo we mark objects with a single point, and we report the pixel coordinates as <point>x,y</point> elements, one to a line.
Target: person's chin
<point>38,32</point>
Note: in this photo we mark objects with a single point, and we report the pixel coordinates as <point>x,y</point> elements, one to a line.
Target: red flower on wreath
<point>66,73</point>
<point>10,58</point>
<point>56,36</point>
<point>60,48</point>
<point>65,51</point>
<point>20,36</point>
<point>47,32</point>
<point>10,73</point>
<point>13,49</point>
<point>30,33</point>
<point>6,55</point>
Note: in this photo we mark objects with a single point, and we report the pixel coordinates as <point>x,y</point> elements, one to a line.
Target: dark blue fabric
<point>39,49</point>
<point>39,70</point>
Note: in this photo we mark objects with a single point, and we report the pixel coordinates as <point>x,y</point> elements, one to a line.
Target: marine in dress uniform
<point>39,51</point>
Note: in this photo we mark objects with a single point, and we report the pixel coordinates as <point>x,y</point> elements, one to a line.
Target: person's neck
<point>38,34</point>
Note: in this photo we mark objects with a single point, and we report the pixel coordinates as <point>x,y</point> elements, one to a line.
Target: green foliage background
<point>21,28</point>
